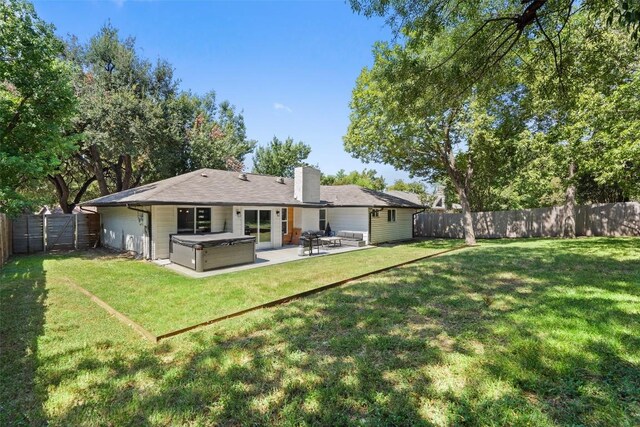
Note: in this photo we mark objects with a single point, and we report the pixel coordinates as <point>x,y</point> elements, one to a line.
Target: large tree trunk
<point>98,169</point>
<point>460,181</point>
<point>64,193</point>
<point>467,219</point>
<point>569,220</point>
<point>123,172</point>
<point>128,172</point>
<point>117,173</point>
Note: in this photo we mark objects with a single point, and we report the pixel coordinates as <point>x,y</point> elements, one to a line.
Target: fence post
<point>75,232</point>
<point>44,233</point>
<point>26,218</point>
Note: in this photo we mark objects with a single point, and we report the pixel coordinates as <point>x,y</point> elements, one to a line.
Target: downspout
<point>148,213</point>
<point>369,234</point>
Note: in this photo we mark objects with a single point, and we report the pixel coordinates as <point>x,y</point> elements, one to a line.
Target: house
<point>57,210</point>
<point>143,219</point>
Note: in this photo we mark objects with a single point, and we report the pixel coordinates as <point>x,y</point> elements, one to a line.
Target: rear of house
<point>274,210</point>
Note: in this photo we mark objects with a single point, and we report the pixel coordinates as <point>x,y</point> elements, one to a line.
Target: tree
<point>368,178</point>
<point>400,116</point>
<point>532,135</point>
<point>458,61</point>
<point>36,103</point>
<point>217,138</point>
<point>134,126</point>
<point>408,187</point>
<point>119,120</point>
<point>280,158</point>
<point>593,124</point>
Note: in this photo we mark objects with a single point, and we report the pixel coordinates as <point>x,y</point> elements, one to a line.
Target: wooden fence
<point>38,233</point>
<point>612,219</point>
<point>5,238</point>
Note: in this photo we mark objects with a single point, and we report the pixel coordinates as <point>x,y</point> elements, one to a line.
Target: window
<point>375,213</point>
<point>185,220</point>
<point>194,220</point>
<point>285,222</point>
<point>203,220</point>
<point>265,226</point>
<point>323,219</point>
<point>391,215</point>
<point>257,223</point>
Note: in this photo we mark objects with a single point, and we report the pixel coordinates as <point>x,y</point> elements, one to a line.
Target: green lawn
<point>518,332</point>
<point>162,301</point>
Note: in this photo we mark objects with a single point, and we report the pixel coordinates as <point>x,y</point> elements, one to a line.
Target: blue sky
<point>290,66</point>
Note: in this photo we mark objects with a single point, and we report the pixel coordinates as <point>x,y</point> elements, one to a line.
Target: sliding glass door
<point>257,223</point>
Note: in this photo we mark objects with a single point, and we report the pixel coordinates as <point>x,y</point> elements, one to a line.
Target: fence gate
<point>27,234</point>
<point>35,233</point>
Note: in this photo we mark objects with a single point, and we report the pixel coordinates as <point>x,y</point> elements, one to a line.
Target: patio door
<point>257,223</point>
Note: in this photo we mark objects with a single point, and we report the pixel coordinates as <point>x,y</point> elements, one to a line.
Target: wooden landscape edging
<point>121,317</point>
<point>286,299</point>
<point>155,339</point>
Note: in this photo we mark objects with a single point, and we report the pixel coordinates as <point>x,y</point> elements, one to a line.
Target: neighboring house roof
<point>57,210</point>
<point>406,195</point>
<point>218,187</point>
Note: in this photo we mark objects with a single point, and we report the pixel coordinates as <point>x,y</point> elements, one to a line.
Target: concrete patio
<point>264,258</point>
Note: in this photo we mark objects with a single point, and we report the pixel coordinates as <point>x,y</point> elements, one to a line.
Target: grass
<point>518,332</point>
<point>162,301</point>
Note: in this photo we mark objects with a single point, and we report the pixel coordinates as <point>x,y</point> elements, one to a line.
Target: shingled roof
<point>406,195</point>
<point>218,187</point>
<point>356,196</point>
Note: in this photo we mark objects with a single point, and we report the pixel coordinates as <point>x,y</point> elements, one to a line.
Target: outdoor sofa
<point>351,238</point>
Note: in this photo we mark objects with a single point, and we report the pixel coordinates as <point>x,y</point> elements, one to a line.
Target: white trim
<point>326,219</point>
<point>392,215</point>
<point>276,225</point>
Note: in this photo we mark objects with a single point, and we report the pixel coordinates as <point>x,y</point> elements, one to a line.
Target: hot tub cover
<point>210,240</point>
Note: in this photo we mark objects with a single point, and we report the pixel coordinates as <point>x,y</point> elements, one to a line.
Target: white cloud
<point>279,106</point>
<point>119,3</point>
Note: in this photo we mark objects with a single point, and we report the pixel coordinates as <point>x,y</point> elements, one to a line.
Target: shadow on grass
<point>501,334</point>
<point>22,310</point>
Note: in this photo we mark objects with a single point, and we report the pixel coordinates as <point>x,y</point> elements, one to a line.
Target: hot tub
<point>202,252</point>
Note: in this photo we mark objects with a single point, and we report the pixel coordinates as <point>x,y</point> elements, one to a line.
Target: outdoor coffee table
<point>331,241</point>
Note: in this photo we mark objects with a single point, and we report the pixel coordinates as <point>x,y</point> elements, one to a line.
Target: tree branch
<point>82,190</point>
<point>555,54</point>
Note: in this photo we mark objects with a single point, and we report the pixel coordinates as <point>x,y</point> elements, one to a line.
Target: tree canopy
<point>503,23</point>
<point>540,129</point>
<point>368,178</point>
<point>134,125</point>
<point>280,158</point>
<point>36,103</point>
<point>409,187</point>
